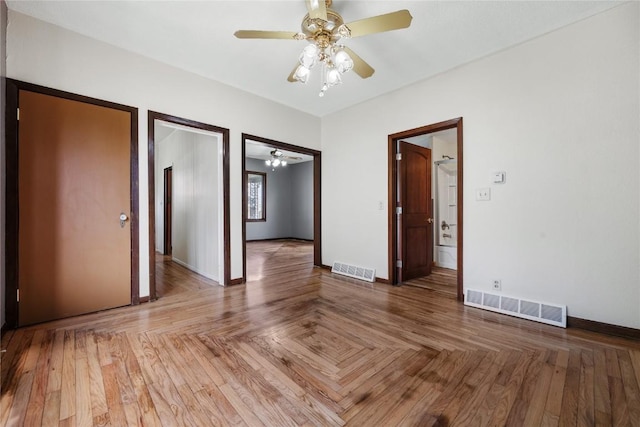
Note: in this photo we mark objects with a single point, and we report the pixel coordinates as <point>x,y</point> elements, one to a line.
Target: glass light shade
<point>301,74</point>
<point>283,163</point>
<point>333,77</point>
<point>268,162</point>
<point>275,163</point>
<point>309,56</point>
<point>343,61</point>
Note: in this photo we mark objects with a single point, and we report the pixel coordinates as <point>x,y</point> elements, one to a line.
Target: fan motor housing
<point>311,27</point>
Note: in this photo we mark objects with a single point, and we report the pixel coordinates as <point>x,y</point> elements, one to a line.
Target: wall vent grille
<point>492,301</point>
<point>362,273</point>
<point>509,304</point>
<point>474,296</point>
<point>551,314</point>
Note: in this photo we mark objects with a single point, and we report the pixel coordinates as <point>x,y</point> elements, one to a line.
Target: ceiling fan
<point>323,28</point>
<point>279,159</point>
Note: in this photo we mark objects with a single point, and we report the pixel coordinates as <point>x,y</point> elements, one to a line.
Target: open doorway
<point>168,210</point>
<point>425,200</point>
<point>281,206</point>
<point>189,201</point>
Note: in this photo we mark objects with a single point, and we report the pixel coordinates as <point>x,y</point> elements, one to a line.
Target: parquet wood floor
<point>173,278</point>
<point>300,346</point>
<point>441,280</point>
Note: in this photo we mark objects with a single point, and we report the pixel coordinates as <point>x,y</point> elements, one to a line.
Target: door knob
<point>430,220</point>
<point>123,219</point>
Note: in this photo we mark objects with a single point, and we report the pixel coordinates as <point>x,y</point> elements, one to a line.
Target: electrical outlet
<point>483,194</point>
<point>497,285</point>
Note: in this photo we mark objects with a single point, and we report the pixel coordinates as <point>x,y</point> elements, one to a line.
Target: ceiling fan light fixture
<point>344,31</point>
<point>343,61</point>
<point>278,159</point>
<point>333,77</point>
<point>323,28</point>
<point>301,74</point>
<point>309,55</point>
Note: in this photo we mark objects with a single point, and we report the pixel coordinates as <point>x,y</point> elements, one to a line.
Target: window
<point>256,196</point>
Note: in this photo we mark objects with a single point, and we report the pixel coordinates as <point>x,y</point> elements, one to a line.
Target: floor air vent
<point>362,273</point>
<point>552,314</point>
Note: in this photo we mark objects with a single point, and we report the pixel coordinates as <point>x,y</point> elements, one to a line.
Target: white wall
<point>560,114</point>
<point>48,55</point>
<point>445,147</point>
<point>196,242</point>
<point>3,68</point>
<point>443,195</point>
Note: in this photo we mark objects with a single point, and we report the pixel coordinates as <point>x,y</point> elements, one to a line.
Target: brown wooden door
<point>416,220</point>
<point>168,209</point>
<point>74,256</point>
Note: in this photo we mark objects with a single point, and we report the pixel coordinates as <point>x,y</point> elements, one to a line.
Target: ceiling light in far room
<point>277,159</point>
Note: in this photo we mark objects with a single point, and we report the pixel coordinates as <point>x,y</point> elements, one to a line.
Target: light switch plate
<point>499,177</point>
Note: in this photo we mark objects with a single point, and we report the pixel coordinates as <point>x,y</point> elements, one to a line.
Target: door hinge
<point>399,210</point>
<point>399,263</point>
<point>18,114</point>
<point>18,295</point>
<point>398,156</point>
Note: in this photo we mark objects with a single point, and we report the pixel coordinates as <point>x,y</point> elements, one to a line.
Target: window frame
<point>264,196</point>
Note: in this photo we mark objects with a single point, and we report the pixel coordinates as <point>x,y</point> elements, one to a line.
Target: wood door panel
<point>418,252</point>
<point>415,198</point>
<point>418,189</point>
<point>418,255</point>
<point>74,181</point>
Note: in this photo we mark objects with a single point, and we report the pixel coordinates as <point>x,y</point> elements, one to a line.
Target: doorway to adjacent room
<point>425,207</point>
<point>189,200</point>
<point>281,205</point>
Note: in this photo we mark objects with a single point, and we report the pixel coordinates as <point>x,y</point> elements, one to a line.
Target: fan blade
<point>360,67</point>
<point>256,34</point>
<point>378,24</point>
<point>317,9</point>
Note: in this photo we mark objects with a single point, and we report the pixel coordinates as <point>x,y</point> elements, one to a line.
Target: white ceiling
<point>197,36</point>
